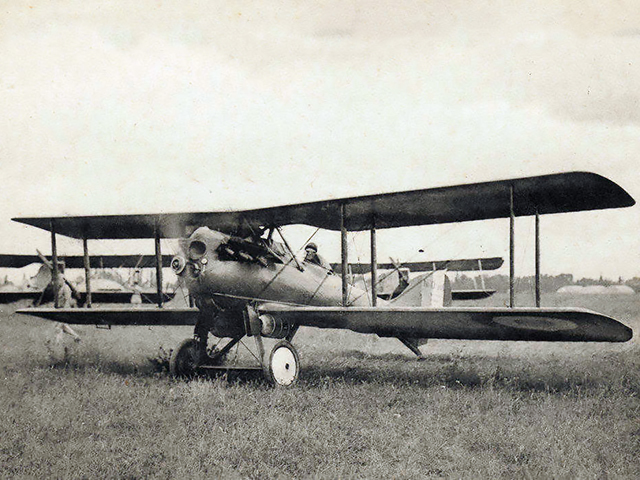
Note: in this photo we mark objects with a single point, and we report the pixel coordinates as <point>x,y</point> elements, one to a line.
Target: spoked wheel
<point>185,359</point>
<point>284,365</point>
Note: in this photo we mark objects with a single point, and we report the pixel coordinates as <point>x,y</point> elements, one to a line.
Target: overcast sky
<point>149,106</point>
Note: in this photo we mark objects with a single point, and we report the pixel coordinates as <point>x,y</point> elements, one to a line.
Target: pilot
<point>312,256</point>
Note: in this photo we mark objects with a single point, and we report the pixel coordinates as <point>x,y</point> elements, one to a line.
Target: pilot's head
<point>311,247</point>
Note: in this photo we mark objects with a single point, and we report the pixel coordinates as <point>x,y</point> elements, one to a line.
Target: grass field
<point>364,408</point>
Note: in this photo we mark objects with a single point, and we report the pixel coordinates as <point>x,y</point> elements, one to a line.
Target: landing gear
<point>192,355</point>
<point>281,365</point>
<point>185,359</point>
<point>284,365</point>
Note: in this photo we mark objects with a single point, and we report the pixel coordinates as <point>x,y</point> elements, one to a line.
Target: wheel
<point>284,365</point>
<point>185,359</point>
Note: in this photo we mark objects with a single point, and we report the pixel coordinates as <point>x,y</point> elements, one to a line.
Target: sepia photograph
<point>336,239</point>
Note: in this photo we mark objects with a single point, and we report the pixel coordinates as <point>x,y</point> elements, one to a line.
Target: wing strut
<point>54,271</point>
<point>344,254</point>
<point>537,248</point>
<point>374,263</point>
<point>87,269</point>
<point>158,267</point>
<point>512,247</point>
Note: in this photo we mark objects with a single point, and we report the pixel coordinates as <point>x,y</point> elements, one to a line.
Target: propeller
<point>64,328</point>
<point>49,264</point>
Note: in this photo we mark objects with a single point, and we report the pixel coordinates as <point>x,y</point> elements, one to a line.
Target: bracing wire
<point>308,240</point>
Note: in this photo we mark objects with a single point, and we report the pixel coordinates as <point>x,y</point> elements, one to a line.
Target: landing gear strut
<point>192,354</point>
<point>280,365</point>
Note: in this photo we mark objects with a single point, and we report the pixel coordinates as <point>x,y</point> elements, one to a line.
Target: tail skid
<point>429,290</point>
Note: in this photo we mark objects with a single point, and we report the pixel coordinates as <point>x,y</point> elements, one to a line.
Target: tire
<point>284,365</point>
<point>185,359</point>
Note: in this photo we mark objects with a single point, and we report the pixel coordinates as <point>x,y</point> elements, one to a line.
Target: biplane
<point>242,282</point>
<point>389,285</point>
<point>39,288</point>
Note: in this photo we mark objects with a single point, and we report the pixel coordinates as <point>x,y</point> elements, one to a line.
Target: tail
<point>429,290</point>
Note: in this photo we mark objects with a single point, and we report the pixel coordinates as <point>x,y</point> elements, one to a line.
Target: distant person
<point>136,298</point>
<point>66,297</point>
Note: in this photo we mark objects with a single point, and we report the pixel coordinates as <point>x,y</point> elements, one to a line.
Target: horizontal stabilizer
<point>528,324</point>
<point>121,315</point>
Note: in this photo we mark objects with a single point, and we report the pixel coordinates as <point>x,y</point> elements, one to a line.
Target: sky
<point>167,106</point>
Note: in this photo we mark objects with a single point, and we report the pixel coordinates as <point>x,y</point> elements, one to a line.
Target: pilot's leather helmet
<point>311,246</point>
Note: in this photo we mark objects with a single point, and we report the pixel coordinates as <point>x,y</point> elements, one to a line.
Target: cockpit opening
<point>312,256</point>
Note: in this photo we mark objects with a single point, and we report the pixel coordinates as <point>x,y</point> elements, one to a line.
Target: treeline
<point>548,283</point>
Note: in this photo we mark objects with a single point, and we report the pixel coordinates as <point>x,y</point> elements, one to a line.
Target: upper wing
<point>541,324</point>
<point>563,192</point>
<point>97,261</point>
<point>117,315</point>
<point>465,265</point>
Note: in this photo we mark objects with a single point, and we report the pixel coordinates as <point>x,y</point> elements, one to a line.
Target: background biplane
<point>244,283</point>
<point>105,288</point>
<point>394,277</point>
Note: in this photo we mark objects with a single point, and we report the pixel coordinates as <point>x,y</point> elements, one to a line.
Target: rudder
<point>432,289</point>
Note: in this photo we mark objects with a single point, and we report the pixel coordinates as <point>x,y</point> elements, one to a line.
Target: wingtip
<point>624,199</point>
<point>626,334</point>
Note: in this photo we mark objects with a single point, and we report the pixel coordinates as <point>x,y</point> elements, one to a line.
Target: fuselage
<point>233,272</point>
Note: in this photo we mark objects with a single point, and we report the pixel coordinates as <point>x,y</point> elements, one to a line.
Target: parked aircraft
<point>394,277</point>
<point>247,284</point>
<point>39,288</point>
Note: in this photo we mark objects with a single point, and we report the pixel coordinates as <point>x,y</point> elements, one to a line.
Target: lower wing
<point>120,315</point>
<point>532,324</point>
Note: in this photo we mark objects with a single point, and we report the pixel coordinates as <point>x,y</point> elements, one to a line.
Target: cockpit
<point>312,256</point>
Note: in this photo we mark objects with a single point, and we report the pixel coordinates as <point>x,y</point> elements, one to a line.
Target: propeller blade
<point>44,259</point>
